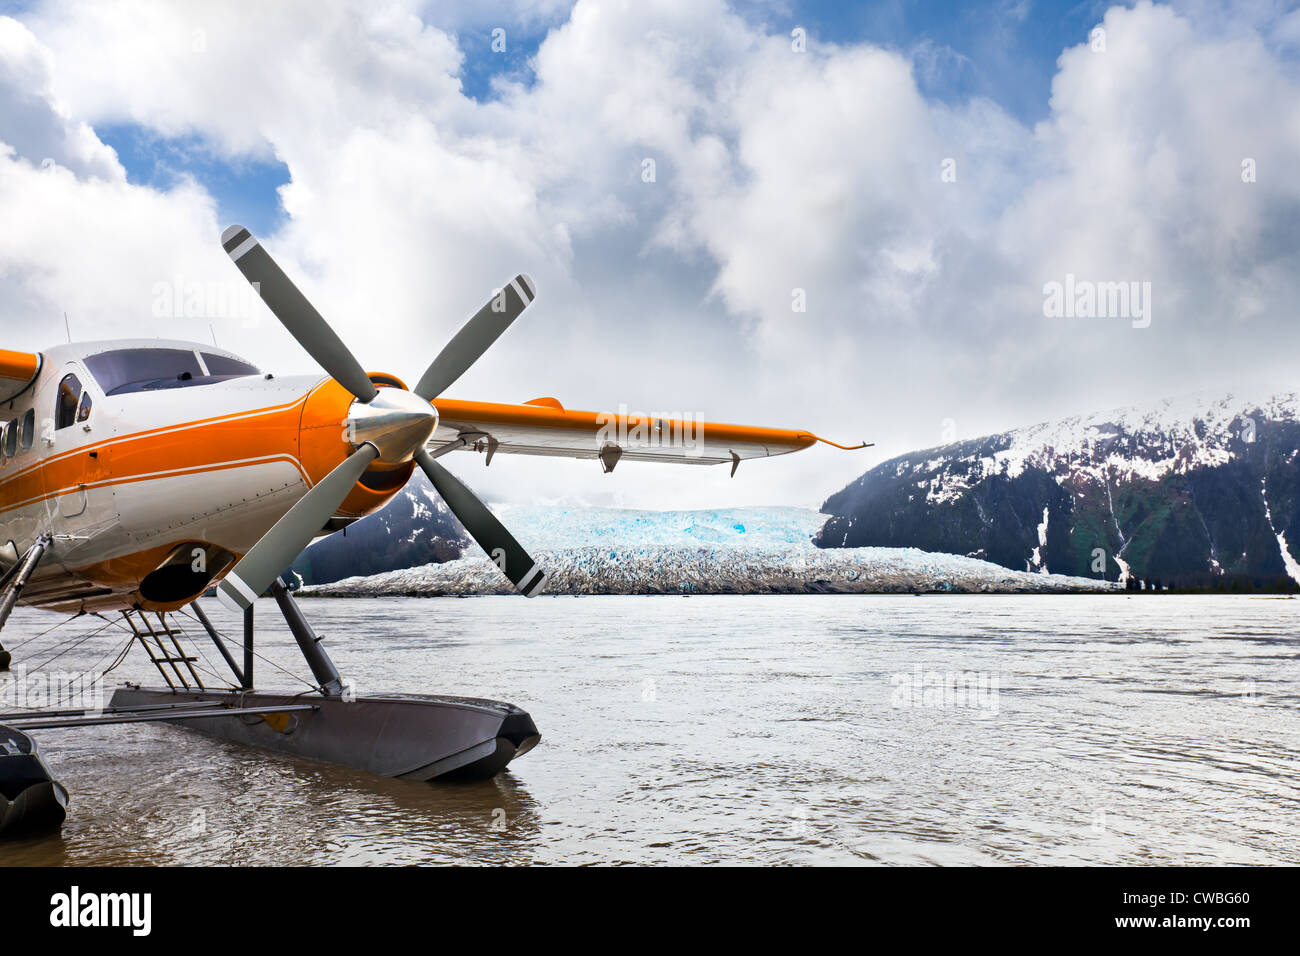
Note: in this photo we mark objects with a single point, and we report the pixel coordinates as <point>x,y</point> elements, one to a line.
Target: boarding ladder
<point>151,638</point>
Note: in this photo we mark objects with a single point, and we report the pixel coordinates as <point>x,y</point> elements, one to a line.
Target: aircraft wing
<point>17,371</point>
<point>544,427</point>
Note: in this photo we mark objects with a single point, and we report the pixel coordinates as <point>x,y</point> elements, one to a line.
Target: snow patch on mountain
<point>1036,559</point>
<point>1292,566</point>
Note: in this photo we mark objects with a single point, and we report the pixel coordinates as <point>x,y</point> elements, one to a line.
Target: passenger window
<point>65,412</point>
<point>11,438</point>
<point>29,428</point>
<point>83,410</point>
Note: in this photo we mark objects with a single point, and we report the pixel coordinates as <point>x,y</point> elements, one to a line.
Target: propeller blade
<point>295,313</point>
<point>515,563</point>
<point>476,337</point>
<point>276,549</point>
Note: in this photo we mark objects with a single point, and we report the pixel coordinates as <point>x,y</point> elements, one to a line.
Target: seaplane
<point>136,476</point>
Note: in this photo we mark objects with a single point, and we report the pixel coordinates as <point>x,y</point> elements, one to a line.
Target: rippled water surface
<point>808,729</point>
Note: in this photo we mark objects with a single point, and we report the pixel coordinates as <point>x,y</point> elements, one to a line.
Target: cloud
<point>251,78</point>
<point>77,237</point>
<point>35,125</point>
<point>826,173</point>
<point>1148,142</point>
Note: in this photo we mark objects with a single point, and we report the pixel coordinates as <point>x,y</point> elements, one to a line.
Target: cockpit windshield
<point>140,370</point>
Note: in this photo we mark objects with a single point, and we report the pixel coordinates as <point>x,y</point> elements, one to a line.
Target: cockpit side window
<point>65,410</point>
<point>11,438</point>
<point>83,409</point>
<point>224,365</point>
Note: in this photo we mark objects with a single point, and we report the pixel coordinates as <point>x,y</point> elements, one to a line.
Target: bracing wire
<point>75,641</point>
<point>53,627</point>
<point>76,644</point>
<point>266,660</point>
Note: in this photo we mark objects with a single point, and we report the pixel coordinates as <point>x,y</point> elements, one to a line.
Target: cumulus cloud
<point>77,237</point>
<point>919,234</point>
<point>35,125</point>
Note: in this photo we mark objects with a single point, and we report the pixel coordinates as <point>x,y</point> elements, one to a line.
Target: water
<point>757,730</point>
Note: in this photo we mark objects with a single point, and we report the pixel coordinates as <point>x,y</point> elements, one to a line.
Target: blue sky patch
<point>505,54</point>
<point>1005,51</point>
<point>245,189</point>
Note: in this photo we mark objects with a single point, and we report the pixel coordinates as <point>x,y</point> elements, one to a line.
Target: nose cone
<point>396,422</point>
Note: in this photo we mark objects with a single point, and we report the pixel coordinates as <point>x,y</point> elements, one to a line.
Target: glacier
<point>587,551</point>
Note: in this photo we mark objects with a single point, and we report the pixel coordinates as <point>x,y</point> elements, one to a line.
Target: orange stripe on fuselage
<point>226,441</point>
<point>94,446</point>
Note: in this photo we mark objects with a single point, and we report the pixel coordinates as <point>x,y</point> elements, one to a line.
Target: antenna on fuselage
<point>68,327</point>
<point>213,333</point>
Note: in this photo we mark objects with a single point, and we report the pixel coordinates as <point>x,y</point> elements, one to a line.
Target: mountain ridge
<point>1195,491</point>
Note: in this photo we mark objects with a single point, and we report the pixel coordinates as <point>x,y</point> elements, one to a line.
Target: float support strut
<point>221,646</point>
<point>13,588</point>
<point>248,648</point>
<point>322,668</point>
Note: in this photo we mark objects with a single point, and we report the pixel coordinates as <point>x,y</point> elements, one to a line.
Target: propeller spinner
<point>389,424</point>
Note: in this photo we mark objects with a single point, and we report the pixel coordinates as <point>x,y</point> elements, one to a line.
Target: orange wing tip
<point>833,444</point>
<point>546,402</point>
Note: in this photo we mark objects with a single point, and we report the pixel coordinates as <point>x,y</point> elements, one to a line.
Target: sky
<point>834,217</point>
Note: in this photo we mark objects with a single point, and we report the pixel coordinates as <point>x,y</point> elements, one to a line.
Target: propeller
<point>475,337</point>
<point>390,426</point>
<point>295,313</point>
<point>498,543</point>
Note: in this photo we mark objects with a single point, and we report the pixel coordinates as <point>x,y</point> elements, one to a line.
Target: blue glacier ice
<point>726,551</point>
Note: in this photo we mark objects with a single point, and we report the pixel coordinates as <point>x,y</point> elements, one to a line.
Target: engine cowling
<point>326,439</point>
